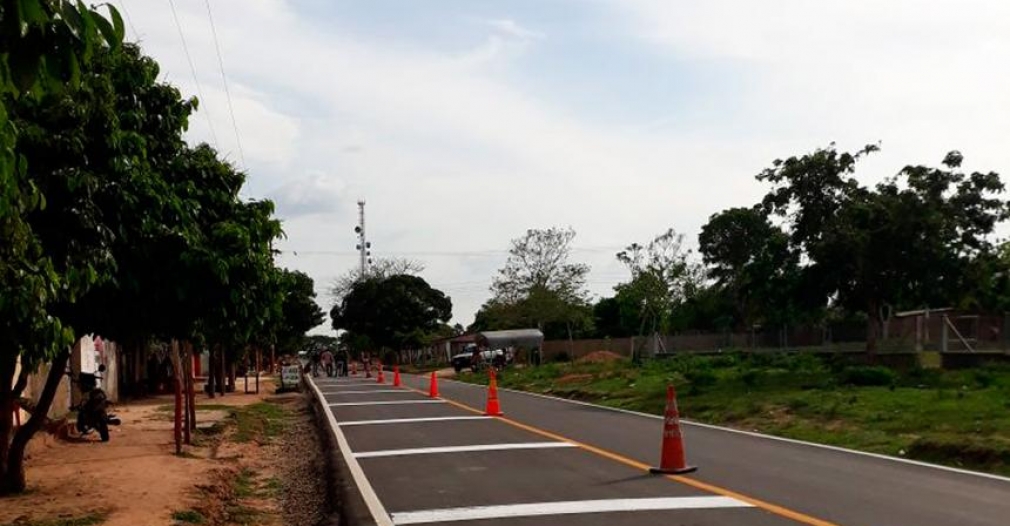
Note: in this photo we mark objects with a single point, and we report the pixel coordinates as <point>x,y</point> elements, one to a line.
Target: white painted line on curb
<point>388,402</point>
<point>564,508</point>
<point>411,420</point>
<point>461,449</point>
<point>375,506</point>
<point>753,434</point>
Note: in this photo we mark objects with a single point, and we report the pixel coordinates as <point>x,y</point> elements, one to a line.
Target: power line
<point>192,68</point>
<point>224,78</point>
<point>129,21</point>
<point>449,253</point>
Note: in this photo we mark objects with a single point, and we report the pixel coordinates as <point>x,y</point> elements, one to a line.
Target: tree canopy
<point>397,312</point>
<point>112,224</point>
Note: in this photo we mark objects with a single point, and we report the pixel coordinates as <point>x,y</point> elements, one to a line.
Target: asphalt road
<point>549,461</point>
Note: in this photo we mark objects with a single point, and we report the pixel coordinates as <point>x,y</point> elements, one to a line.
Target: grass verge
<point>958,418</point>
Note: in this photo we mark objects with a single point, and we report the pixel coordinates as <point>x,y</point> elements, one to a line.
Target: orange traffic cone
<point>493,407</point>
<point>433,386</point>
<point>396,376</point>
<point>354,368</point>
<point>381,378</point>
<point>672,460</point>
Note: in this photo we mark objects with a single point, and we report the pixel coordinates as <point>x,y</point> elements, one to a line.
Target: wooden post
<point>259,364</point>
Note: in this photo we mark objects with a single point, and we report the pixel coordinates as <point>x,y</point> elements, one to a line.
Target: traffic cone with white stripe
<point>493,406</point>
<point>433,386</point>
<point>396,375</point>
<point>381,378</point>
<point>672,459</point>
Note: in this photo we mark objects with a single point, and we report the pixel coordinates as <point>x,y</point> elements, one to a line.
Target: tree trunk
<point>8,363</point>
<point>210,372</point>
<point>12,461</point>
<point>190,388</point>
<point>872,329</point>
<point>177,389</point>
<point>231,371</point>
<point>219,370</point>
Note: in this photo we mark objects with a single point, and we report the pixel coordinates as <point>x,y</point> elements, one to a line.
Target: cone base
<point>678,471</point>
<point>489,413</point>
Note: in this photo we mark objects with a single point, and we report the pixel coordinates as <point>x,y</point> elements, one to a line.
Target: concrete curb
<point>360,504</point>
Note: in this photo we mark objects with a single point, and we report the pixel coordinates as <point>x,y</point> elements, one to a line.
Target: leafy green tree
<point>300,313</point>
<point>907,242</point>
<point>539,286</point>
<point>752,260</point>
<point>662,277</point>
<point>397,312</point>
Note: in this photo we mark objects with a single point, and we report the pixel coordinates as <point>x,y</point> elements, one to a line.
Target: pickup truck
<point>464,360</point>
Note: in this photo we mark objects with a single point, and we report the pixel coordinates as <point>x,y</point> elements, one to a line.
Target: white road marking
<point>367,392</point>
<point>372,501</point>
<point>411,420</point>
<point>690,422</point>
<point>461,449</point>
<point>388,402</point>
<point>564,508</point>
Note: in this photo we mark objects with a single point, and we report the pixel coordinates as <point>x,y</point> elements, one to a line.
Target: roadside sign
<point>290,376</point>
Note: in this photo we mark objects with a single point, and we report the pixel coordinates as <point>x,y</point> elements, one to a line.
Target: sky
<point>462,123</point>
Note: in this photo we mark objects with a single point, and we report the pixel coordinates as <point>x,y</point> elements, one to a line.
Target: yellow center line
<point>617,457</point>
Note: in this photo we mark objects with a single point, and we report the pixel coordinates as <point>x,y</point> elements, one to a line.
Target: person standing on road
<point>326,358</point>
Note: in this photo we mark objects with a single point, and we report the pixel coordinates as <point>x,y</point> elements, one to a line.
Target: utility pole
<point>364,247</point>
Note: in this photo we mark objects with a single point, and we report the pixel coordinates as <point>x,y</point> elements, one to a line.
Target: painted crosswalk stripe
<point>411,420</point>
<point>388,402</point>
<point>367,391</point>
<point>461,449</point>
<point>564,508</point>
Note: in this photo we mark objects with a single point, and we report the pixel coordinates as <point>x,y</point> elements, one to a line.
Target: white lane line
<point>564,508</point>
<point>411,420</point>
<point>368,392</point>
<point>388,402</point>
<point>753,434</point>
<point>461,449</point>
<point>375,506</point>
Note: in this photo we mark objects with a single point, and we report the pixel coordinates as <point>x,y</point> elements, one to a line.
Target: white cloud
<point>451,155</point>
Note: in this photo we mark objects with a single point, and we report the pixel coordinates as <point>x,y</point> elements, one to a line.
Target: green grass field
<point>958,418</point>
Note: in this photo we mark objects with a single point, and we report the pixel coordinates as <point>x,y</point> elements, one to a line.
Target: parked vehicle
<point>498,358</point>
<point>92,412</point>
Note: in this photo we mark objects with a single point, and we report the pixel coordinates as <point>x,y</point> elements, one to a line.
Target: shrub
<point>866,376</point>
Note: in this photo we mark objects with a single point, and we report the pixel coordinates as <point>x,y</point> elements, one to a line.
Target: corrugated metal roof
<point>513,338</point>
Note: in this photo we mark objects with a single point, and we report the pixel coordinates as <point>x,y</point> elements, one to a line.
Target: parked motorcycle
<point>92,412</point>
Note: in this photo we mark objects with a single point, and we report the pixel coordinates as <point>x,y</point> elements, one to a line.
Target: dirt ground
<point>136,478</point>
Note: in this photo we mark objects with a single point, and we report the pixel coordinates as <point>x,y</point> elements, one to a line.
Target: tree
<point>906,243</point>
<point>397,312</point>
<point>55,242</point>
<point>662,277</point>
<point>300,313</point>
<point>539,284</point>
<point>381,268</point>
<point>752,260</point>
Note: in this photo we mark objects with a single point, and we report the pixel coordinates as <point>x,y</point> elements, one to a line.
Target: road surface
<point>550,461</point>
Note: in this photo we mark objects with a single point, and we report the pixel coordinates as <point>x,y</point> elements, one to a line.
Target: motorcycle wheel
<point>103,430</point>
